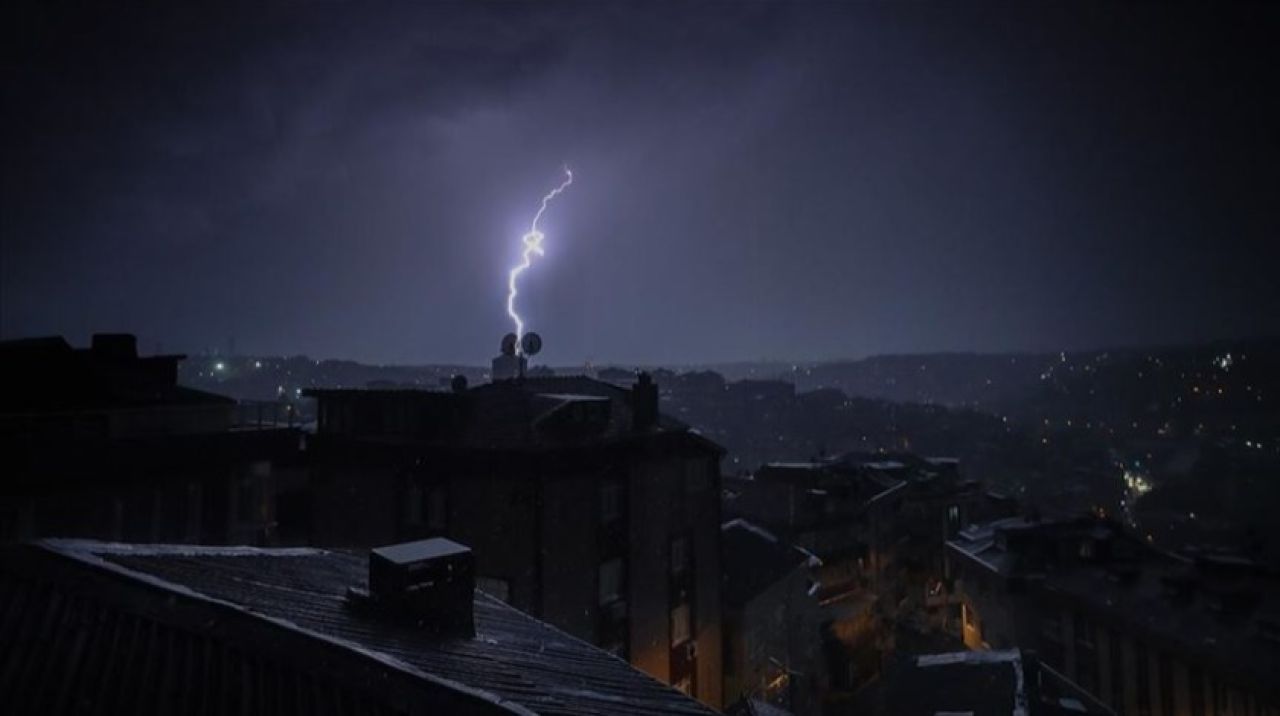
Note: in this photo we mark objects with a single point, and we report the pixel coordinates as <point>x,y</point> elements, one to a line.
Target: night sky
<point>754,181</point>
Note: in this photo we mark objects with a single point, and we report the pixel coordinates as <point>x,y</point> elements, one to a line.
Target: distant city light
<point>1136,483</point>
<point>219,366</point>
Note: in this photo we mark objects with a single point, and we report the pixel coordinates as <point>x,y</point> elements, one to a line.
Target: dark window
<point>246,499</point>
<point>610,583</point>
<point>1051,646</point>
<point>413,503</point>
<point>1142,668</point>
<point>610,501</point>
<point>1195,679</point>
<point>437,508</point>
<point>1117,672</point>
<point>1166,684</point>
<point>697,478</point>
<point>679,556</point>
<point>1086,656</point>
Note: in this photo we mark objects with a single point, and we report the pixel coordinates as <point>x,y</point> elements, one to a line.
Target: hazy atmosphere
<point>753,180</point>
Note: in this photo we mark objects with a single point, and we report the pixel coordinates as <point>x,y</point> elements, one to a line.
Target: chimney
<point>115,346</point>
<point>644,403</point>
<point>429,584</point>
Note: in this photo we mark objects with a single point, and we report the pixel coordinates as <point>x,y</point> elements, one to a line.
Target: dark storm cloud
<point>755,179</point>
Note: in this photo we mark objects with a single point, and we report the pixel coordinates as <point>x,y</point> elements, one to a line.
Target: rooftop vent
<point>429,583</point>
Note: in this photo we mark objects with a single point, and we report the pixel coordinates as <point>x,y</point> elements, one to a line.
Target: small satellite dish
<point>531,344</point>
<point>459,383</point>
<point>509,344</point>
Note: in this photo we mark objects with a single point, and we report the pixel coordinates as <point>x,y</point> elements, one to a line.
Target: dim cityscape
<point>566,357</point>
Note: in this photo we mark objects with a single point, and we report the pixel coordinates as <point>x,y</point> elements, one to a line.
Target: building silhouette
<point>772,621</point>
<point>1141,630</point>
<point>100,442</point>
<point>585,506</point>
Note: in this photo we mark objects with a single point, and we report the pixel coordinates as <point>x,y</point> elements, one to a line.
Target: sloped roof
<point>754,560</point>
<point>513,658</point>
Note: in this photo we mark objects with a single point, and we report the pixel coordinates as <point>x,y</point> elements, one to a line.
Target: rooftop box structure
<point>430,582</point>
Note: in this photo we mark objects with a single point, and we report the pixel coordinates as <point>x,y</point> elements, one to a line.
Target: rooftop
<point>538,412</point>
<point>754,560</point>
<point>514,662</point>
<point>47,375</point>
<point>1223,610</point>
<point>977,683</point>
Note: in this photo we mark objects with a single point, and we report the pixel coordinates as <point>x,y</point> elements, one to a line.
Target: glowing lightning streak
<point>532,245</point>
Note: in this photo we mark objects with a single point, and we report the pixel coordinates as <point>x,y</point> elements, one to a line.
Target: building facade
<point>772,622</point>
<point>584,506</point>
<point>1143,631</point>
<point>102,443</point>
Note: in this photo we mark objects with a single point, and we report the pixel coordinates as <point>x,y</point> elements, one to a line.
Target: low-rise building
<point>772,621</point>
<point>100,442</point>
<point>1143,631</point>
<point>585,506</point>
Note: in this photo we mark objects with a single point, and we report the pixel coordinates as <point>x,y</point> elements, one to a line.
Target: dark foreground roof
<point>103,627</point>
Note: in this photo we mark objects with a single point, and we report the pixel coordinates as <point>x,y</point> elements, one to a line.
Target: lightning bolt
<point>532,246</point>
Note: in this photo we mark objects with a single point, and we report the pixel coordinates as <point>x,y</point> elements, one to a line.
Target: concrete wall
<point>669,498</point>
<point>781,624</point>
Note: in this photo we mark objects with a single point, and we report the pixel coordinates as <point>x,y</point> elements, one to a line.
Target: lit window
<point>680,625</point>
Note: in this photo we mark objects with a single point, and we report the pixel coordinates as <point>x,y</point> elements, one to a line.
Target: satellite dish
<point>459,383</point>
<point>531,344</point>
<point>509,344</point>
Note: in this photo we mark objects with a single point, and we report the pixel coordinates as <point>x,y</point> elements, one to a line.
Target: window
<point>680,625</point>
<point>1083,631</point>
<point>1195,680</point>
<point>680,556</point>
<point>413,504</point>
<point>1051,628</point>
<point>1143,670</point>
<point>610,585</point>
<point>610,501</point>
<point>246,500</point>
<point>953,518</point>
<point>1086,658</point>
<point>1117,671</point>
<point>1052,651</point>
<point>437,509</point>
<point>1165,674</point>
<point>495,587</point>
<point>697,477</point>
